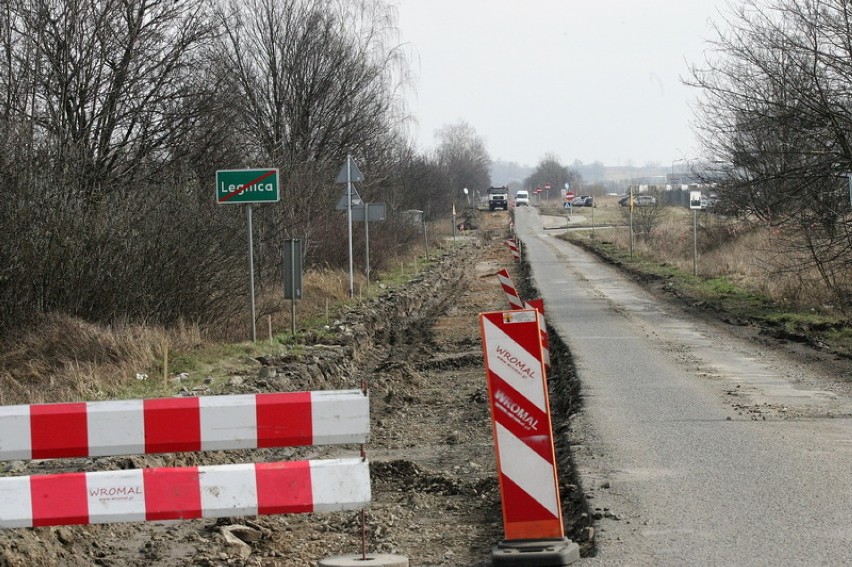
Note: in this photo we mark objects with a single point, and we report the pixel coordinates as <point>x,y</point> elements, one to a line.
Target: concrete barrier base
<point>535,553</point>
<point>370,560</point>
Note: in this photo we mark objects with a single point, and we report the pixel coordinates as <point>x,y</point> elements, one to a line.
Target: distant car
<point>638,201</point>
<point>522,199</point>
<point>709,202</point>
<point>583,201</point>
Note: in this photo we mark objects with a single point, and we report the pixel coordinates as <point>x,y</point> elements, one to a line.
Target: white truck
<point>498,198</point>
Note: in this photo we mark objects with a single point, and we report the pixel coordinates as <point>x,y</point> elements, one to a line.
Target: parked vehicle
<point>522,198</point>
<point>638,201</point>
<point>583,201</point>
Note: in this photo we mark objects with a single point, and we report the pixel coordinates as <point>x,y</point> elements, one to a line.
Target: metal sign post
<point>367,213</point>
<point>631,221</point>
<point>593,215</point>
<point>293,277</point>
<point>849,176</point>
<point>367,242</point>
<point>425,238</point>
<point>247,186</point>
<point>695,205</point>
<point>251,274</point>
<point>349,222</point>
<point>349,174</point>
<point>694,243</point>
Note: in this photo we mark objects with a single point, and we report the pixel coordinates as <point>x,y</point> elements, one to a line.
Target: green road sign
<point>235,186</point>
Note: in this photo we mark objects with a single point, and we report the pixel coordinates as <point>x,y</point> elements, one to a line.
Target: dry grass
<point>751,257</point>
<point>64,358</point>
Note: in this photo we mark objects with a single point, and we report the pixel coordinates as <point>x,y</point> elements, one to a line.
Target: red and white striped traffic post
<point>509,289</point>
<point>90,429</point>
<point>523,442</point>
<point>513,246</point>
<point>538,304</point>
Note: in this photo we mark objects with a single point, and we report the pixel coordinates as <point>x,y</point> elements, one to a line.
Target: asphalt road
<point>695,447</point>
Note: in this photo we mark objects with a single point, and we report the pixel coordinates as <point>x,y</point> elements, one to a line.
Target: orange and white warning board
<point>520,416</point>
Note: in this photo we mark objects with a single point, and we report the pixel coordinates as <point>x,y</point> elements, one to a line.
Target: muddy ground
<point>435,491</point>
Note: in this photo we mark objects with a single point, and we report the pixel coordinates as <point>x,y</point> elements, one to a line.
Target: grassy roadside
<point>63,358</point>
<point>719,294</point>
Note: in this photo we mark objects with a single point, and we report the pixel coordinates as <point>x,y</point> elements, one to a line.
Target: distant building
<point>679,180</point>
<point>692,179</point>
<point>653,180</point>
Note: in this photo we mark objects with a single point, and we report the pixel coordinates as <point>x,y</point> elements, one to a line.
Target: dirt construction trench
<point>435,492</point>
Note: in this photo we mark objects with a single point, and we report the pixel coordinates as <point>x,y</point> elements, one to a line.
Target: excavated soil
<point>435,492</point>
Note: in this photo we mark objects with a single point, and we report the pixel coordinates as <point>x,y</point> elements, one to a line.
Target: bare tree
<point>115,114</point>
<point>95,100</point>
<point>550,171</point>
<point>776,109</point>
<point>646,219</point>
<point>464,160</point>
<point>316,81</point>
<point>99,83</point>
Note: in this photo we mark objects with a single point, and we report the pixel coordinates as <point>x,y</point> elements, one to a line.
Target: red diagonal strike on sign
<point>247,185</point>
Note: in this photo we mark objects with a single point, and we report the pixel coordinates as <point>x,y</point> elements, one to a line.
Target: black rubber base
<point>535,553</point>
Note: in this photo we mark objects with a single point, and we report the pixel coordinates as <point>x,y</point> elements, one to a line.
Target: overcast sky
<point>594,80</point>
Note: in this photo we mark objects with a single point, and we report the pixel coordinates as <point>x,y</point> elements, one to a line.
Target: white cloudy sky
<point>583,79</point>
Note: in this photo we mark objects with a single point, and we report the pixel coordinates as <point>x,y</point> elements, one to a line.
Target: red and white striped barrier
<point>509,289</point>
<point>90,429</point>
<point>513,246</point>
<point>158,494</point>
<point>520,413</point>
<point>538,304</point>
<point>207,423</point>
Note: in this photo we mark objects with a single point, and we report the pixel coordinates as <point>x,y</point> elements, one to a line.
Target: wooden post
<point>166,363</point>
